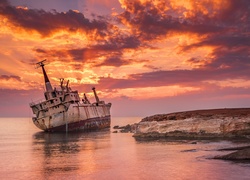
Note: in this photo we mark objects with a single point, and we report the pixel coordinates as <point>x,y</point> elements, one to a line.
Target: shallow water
<point>27,153</point>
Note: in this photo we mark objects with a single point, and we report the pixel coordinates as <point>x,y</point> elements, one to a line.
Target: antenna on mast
<point>41,63</point>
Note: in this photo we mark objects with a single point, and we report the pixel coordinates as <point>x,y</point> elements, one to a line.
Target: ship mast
<point>96,97</point>
<point>46,79</point>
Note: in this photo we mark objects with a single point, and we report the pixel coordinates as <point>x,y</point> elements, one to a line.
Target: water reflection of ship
<point>68,152</point>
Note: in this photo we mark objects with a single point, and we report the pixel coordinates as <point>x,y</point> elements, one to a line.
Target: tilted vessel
<point>63,110</point>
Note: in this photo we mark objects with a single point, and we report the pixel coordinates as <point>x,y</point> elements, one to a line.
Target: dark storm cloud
<point>230,51</point>
<point>237,59</point>
<point>153,79</point>
<point>221,40</point>
<point>78,54</point>
<point>119,42</point>
<point>63,54</point>
<point>50,55</point>
<point>182,77</point>
<point>7,77</point>
<point>195,77</point>
<point>112,49</point>
<point>237,12</point>
<point>48,22</point>
<point>112,57</point>
<point>153,21</point>
<point>38,50</point>
<point>114,60</point>
<point>4,3</point>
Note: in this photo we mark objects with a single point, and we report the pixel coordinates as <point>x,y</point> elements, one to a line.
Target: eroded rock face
<point>200,123</point>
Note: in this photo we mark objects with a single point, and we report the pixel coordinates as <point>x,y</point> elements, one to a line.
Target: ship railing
<point>37,102</point>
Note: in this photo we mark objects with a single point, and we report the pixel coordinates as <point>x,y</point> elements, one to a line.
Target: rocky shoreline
<point>213,124</point>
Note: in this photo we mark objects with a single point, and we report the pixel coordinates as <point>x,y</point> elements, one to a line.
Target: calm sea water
<point>27,153</point>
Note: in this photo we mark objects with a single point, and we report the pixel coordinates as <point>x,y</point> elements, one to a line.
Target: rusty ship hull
<point>82,125</point>
<point>64,110</point>
<point>77,117</point>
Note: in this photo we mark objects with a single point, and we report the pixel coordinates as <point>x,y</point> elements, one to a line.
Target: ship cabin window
<point>61,99</point>
<point>53,94</point>
<point>51,101</point>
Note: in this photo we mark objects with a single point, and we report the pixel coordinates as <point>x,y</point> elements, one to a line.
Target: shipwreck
<point>64,110</point>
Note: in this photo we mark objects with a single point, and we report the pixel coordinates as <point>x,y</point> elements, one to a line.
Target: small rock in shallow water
<point>189,150</point>
<point>240,155</point>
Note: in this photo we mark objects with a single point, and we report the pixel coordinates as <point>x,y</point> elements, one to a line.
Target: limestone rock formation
<point>196,124</point>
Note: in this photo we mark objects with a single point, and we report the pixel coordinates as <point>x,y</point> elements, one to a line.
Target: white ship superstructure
<point>63,110</point>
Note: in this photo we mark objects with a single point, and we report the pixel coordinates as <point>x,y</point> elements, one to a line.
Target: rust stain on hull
<point>82,125</point>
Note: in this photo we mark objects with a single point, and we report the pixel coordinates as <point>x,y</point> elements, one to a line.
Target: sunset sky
<point>144,56</point>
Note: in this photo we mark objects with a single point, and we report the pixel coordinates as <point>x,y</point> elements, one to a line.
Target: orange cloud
<point>48,23</point>
<point>149,92</point>
<point>191,8</point>
<point>152,43</point>
<point>15,82</point>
